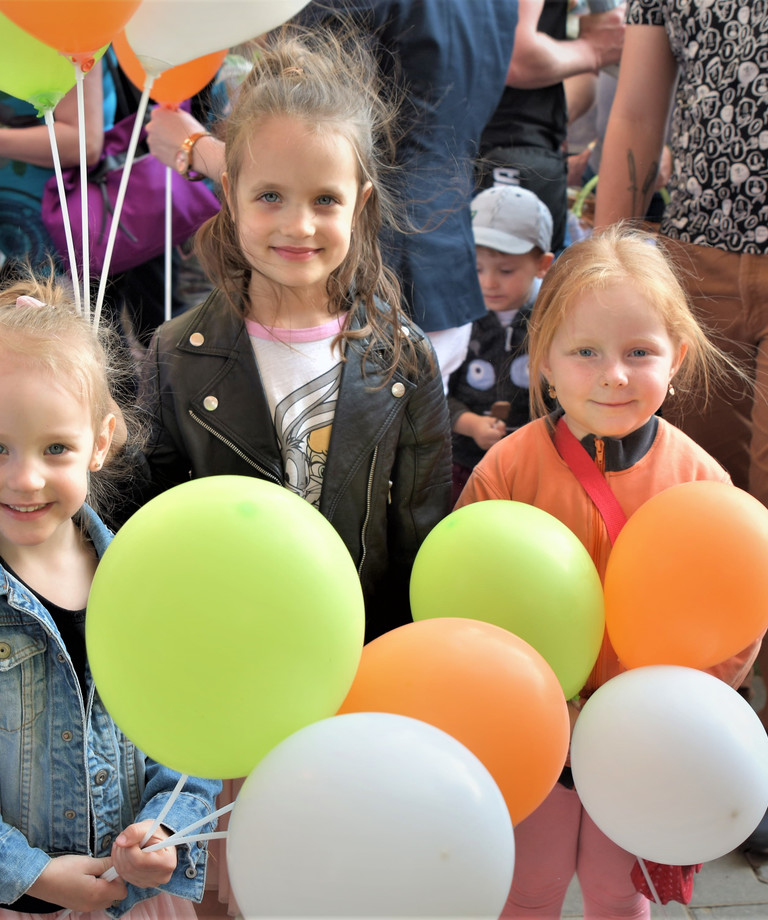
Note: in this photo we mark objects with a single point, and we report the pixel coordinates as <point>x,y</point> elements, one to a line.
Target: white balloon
<point>370,814</point>
<point>671,764</point>
<point>166,33</point>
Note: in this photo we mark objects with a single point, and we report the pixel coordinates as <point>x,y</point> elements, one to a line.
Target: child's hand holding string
<point>74,882</point>
<point>485,430</point>
<point>135,864</point>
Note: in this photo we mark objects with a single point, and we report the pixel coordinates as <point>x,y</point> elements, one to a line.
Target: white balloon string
<point>168,244</point>
<point>48,117</point>
<point>183,777</point>
<point>111,874</point>
<point>207,820</point>
<point>113,227</point>
<point>183,836</point>
<point>79,77</point>
<point>176,839</point>
<point>652,887</point>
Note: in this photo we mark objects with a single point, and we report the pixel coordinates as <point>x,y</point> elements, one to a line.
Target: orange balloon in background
<point>481,684</point>
<point>175,84</point>
<point>71,26</point>
<point>687,579</point>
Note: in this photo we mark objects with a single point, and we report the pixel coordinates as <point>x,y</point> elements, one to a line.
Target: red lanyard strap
<point>595,484</point>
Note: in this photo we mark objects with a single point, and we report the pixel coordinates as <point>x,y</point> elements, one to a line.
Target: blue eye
<point>480,374</point>
<point>326,199</point>
<point>585,352</point>
<point>56,449</point>
<point>639,352</point>
<point>270,197</point>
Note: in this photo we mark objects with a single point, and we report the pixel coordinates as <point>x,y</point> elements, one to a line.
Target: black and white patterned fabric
<point>719,131</point>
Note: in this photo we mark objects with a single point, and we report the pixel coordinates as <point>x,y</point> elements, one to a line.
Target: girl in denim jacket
<point>76,797</point>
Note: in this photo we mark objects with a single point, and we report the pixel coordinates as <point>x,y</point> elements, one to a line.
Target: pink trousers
<point>558,841</point>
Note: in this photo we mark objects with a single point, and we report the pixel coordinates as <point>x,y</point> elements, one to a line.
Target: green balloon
<point>32,70</point>
<point>520,568</point>
<point>226,614</point>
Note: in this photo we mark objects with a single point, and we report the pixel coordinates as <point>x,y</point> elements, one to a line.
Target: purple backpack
<point>141,231</point>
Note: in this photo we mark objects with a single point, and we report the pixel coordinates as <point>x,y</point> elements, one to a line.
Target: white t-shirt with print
<point>301,374</point>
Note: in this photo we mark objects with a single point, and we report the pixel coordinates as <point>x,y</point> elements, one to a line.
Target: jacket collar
<point>364,411</point>
<point>18,596</point>
<point>623,453</point>
<point>213,328</point>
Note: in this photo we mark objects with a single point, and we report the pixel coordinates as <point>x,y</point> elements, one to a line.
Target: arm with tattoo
<point>634,139</point>
<point>642,195</point>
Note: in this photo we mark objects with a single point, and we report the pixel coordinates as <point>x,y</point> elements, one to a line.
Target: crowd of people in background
<point>391,316</point>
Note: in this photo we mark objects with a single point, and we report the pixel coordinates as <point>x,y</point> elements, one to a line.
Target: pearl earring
<point>551,392</point>
<point>671,390</point>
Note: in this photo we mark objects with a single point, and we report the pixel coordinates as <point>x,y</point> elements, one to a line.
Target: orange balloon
<point>71,26</point>
<point>175,84</point>
<point>481,684</point>
<point>687,579</point>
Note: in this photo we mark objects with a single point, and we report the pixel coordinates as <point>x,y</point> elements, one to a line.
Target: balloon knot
<point>84,59</point>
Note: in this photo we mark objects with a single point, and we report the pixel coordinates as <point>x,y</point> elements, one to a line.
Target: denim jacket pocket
<point>22,677</point>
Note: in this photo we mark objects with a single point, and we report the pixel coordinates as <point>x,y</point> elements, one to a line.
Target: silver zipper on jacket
<point>364,529</point>
<point>266,473</point>
<point>273,478</point>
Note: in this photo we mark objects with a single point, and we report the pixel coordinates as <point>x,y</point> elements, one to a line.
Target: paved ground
<point>729,888</point>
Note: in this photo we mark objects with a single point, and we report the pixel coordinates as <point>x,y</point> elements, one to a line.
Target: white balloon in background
<point>671,763</point>
<point>370,814</point>
<point>166,33</point>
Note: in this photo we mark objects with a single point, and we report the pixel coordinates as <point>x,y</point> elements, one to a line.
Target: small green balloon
<point>33,71</point>
<point>520,568</point>
<point>226,614</point>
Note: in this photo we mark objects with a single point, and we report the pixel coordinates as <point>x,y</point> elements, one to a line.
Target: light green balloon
<point>520,568</point>
<point>32,70</point>
<point>226,614</point>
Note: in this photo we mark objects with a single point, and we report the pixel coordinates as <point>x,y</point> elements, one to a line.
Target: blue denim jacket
<point>68,776</point>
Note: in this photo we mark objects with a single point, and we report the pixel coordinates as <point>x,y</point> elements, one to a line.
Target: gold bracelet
<point>184,157</point>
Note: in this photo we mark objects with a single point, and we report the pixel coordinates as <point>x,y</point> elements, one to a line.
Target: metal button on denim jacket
<point>70,781</point>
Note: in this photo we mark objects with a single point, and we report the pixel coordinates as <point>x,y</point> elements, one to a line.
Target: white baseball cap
<point>511,219</point>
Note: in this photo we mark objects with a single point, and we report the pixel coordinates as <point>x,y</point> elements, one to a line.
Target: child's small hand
<point>135,865</point>
<point>486,430</point>
<point>73,882</point>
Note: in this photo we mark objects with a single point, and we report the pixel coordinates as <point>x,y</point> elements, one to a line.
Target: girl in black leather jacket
<point>302,368</point>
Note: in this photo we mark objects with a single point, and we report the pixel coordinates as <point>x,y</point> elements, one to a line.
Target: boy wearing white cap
<point>488,395</point>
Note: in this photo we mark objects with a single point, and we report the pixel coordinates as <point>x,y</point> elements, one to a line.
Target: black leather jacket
<point>387,481</point>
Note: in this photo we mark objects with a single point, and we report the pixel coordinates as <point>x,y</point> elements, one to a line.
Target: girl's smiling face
<point>47,446</point>
<point>297,195</point>
<point>611,362</point>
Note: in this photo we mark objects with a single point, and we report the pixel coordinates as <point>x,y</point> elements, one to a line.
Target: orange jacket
<point>526,467</point>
